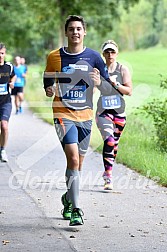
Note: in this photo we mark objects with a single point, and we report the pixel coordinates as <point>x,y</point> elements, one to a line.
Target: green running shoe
<point>76,217</point>
<point>66,212</point>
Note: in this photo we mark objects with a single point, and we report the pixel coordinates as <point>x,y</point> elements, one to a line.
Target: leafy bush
<point>157,108</point>
<point>147,41</point>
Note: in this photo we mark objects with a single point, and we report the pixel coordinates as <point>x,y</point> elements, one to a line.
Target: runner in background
<point>7,79</point>
<point>110,114</point>
<point>18,90</point>
<point>23,63</point>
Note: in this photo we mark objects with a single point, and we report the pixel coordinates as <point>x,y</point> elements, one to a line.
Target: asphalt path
<point>130,218</point>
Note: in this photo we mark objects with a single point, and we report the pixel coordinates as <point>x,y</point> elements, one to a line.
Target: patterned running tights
<point>111,127</point>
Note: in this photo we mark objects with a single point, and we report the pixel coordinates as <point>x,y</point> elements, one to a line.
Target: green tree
<point>51,16</point>
<point>158,15</point>
<point>30,27</point>
<point>18,29</point>
<point>143,25</point>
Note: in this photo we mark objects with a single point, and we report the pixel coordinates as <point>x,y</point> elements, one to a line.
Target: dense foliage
<point>32,28</point>
<point>157,108</point>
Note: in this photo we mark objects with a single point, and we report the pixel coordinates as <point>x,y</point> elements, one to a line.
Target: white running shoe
<point>4,157</point>
<point>108,185</point>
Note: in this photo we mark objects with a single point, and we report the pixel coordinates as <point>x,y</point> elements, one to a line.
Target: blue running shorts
<point>74,132</point>
<point>5,111</point>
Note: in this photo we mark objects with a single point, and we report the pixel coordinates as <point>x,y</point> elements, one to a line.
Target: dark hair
<point>75,18</point>
<point>2,45</point>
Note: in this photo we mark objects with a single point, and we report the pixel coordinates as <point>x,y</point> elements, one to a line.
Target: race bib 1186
<point>75,94</point>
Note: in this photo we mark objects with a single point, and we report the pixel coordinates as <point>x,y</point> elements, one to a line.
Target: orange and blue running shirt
<point>74,88</point>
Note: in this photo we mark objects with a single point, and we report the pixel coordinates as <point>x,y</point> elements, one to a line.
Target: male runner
<point>70,75</point>
<point>7,78</point>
